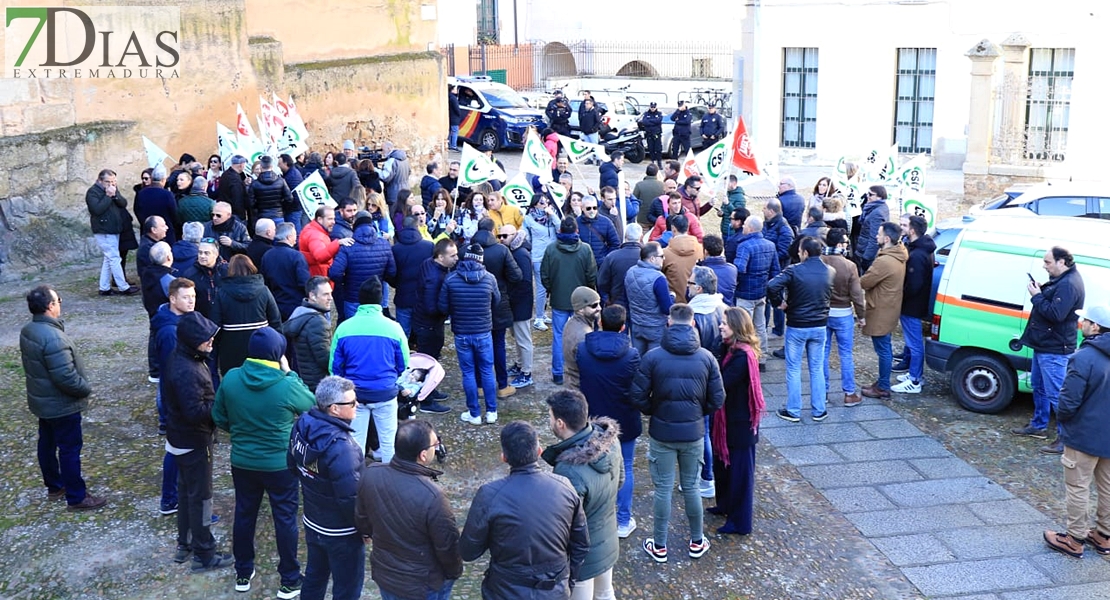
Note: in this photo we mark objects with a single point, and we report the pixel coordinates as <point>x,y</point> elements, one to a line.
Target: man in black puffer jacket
<point>915,300</point>
<point>190,435</point>
<point>678,384</point>
<point>469,296</point>
<point>269,193</point>
<point>285,270</point>
<point>499,263</point>
<point>328,462</point>
<point>308,332</point>
<point>409,254</point>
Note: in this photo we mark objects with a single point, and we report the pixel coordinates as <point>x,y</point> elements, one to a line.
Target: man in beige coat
<point>882,284</point>
<point>682,253</point>
<point>587,308</point>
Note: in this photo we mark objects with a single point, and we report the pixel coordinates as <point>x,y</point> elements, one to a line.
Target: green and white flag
<point>557,192</point>
<point>312,193</point>
<point>911,177</point>
<point>536,160</point>
<point>712,163</point>
<point>878,166</point>
<point>518,191</point>
<point>154,155</point>
<point>476,168</point>
<point>578,151</point>
<point>922,205</point>
<point>228,143</point>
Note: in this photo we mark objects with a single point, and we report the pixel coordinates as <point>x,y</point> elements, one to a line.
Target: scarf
<point>718,435</point>
<point>567,238</point>
<point>538,215</point>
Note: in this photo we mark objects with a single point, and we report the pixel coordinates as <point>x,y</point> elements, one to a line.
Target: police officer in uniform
<point>680,140</point>
<point>652,124</point>
<point>558,114</point>
<point>712,126</point>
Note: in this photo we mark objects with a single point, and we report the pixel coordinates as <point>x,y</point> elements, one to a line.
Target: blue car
<point>494,114</point>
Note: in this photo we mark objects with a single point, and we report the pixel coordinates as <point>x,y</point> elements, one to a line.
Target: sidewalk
<point>951,531</point>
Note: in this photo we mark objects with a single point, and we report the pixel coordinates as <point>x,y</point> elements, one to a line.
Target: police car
<point>494,114</point>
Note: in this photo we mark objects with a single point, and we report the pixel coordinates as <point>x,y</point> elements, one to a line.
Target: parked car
<point>616,114</point>
<point>494,114</point>
<point>982,305</point>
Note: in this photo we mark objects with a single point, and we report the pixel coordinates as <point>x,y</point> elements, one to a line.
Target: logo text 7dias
<point>92,42</point>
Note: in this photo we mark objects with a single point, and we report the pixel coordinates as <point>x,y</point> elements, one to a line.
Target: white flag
<point>911,177</point>
<point>689,166</point>
<point>878,166</point>
<point>578,151</point>
<point>557,192</point>
<point>475,168</point>
<point>922,205</point>
<point>313,193</point>
<point>154,155</point>
<point>712,162</point>
<point>292,120</point>
<point>228,143</point>
<point>536,160</point>
<point>518,191</point>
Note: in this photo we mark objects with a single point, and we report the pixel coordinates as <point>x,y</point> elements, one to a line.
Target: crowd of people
<point>672,324</point>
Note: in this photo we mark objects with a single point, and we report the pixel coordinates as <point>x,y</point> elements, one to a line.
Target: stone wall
<point>232,51</point>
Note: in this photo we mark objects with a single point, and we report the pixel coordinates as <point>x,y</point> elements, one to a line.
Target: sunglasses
<point>503,236</point>
<point>419,214</point>
<point>145,178</point>
<point>589,208</point>
<point>595,305</point>
<point>351,403</point>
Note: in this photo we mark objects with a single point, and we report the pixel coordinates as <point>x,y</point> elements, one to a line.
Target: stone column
<point>979,121</point>
<point>1015,82</point>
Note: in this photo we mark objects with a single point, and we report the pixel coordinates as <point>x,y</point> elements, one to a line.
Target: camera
<point>372,154</point>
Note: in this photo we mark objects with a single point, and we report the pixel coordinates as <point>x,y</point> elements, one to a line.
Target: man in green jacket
<point>258,404</point>
<point>588,454</point>
<point>57,392</point>
<point>567,264</point>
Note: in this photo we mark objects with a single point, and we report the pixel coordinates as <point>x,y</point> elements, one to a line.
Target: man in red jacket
<point>316,244</point>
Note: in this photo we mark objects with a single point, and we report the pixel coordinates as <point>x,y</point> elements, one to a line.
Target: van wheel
<point>489,138</point>
<point>983,383</point>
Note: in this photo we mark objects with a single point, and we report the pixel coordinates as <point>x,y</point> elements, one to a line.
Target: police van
<point>493,114</point>
<point>982,304</point>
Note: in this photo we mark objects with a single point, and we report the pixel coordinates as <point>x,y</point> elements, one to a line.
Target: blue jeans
<point>169,481</point>
<point>886,359</point>
<point>915,346</point>
<point>60,443</point>
<point>538,290</point>
<point>385,298</point>
<point>341,559</point>
<point>385,423</point>
<point>843,329</point>
<point>500,360</point>
<point>662,457</point>
<point>811,340</point>
<point>295,218</point>
<point>1046,378</point>
<point>707,454</point>
<point>404,319</point>
<point>283,489</point>
<point>559,320</point>
<point>443,593</point>
<point>349,309</point>
<point>475,354</point>
<point>624,494</point>
<point>776,318</point>
<point>453,137</point>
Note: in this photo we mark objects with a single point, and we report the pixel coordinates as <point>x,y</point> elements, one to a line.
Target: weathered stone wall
<point>232,51</point>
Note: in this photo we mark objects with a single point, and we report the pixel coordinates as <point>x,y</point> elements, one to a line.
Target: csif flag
<point>313,192</point>
<point>743,157</point>
<point>518,191</point>
<point>578,151</point>
<point>712,163</point>
<point>475,167</point>
<point>536,160</point>
<point>154,155</point>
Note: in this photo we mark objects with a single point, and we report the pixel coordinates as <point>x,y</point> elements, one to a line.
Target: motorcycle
<point>628,141</point>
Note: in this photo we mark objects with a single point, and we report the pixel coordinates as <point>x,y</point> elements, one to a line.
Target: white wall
<point>458,22</point>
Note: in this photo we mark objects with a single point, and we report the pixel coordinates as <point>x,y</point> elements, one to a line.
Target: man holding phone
<point>1051,333</point>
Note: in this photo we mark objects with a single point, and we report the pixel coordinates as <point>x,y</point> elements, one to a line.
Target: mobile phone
<point>1031,280</point>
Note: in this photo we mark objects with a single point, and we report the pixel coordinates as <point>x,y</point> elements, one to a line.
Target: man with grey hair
<point>793,205</point>
<point>778,231</point>
<point>233,187</point>
<point>262,242</point>
<point>328,462</point>
<point>156,200</point>
<point>756,263</point>
<point>157,277</point>
<point>709,312</point>
<point>107,218</point>
<point>611,272</point>
<point>185,250</point>
<point>285,270</point>
<point>394,172</point>
<point>197,206</point>
<point>154,229</point>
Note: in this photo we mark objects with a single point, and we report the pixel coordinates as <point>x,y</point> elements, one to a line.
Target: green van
<point>982,303</point>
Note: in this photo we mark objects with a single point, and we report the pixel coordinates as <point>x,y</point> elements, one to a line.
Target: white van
<point>982,304</point>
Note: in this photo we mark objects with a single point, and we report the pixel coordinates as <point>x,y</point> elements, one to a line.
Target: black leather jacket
<point>807,289</point>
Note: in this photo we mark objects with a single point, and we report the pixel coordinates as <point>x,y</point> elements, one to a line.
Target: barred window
<point>1048,102</point>
<point>799,97</point>
<point>914,98</point>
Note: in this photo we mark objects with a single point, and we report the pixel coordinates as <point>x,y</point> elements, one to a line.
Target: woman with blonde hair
<point>834,212</point>
<point>379,211</point>
<point>441,222</point>
<point>734,429</point>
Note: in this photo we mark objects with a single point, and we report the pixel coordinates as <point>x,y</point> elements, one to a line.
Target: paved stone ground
<point>951,531</point>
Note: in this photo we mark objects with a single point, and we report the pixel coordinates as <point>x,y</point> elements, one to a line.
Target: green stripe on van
<point>1031,252</point>
<point>967,327</point>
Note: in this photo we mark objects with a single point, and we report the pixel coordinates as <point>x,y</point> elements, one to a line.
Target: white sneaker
<point>539,325</point>
<point>907,387</point>
<point>547,320</point>
<point>904,377</point>
<point>707,489</point>
<point>491,416</point>
<point>625,531</point>
<point>466,417</point>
